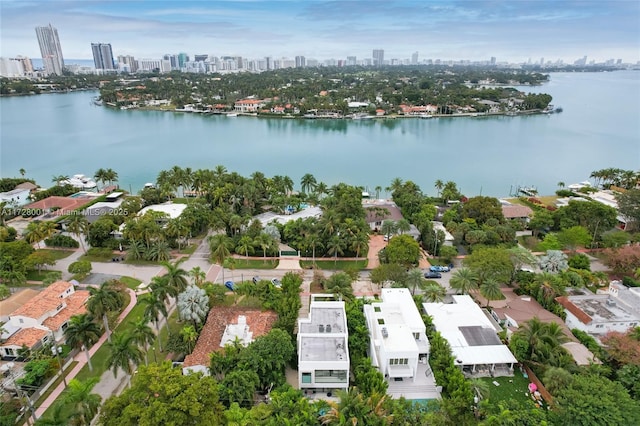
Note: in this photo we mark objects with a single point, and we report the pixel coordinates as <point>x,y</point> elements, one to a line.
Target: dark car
<point>230,285</point>
<point>431,274</point>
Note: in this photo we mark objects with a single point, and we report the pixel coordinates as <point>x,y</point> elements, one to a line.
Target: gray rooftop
<point>476,335</point>
<point>325,320</point>
<point>603,308</point>
<point>325,349</point>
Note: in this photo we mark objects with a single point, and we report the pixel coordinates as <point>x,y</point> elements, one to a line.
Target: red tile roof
<point>259,322</point>
<point>75,306</point>
<point>26,337</point>
<point>576,311</point>
<point>45,301</point>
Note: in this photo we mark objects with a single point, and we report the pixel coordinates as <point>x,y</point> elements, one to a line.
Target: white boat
<point>426,116</point>
<point>80,182</point>
<point>232,114</point>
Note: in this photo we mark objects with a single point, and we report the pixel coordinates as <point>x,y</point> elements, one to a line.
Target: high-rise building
<point>301,62</point>
<point>414,58</point>
<point>102,56</point>
<point>127,63</point>
<point>378,57</point>
<point>174,60</point>
<point>351,61</point>
<point>183,58</point>
<point>50,49</point>
<point>201,58</point>
<point>493,60</point>
<point>269,60</point>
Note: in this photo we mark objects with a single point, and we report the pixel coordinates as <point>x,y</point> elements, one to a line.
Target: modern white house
<point>472,336</point>
<point>398,345</point>
<point>323,350</point>
<point>43,318</point>
<point>15,198</point>
<point>616,310</point>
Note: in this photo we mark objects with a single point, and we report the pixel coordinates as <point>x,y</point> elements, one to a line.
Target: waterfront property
<point>42,318</point>
<point>323,351</point>
<point>398,345</point>
<point>473,338</point>
<point>378,211</point>
<point>16,197</point>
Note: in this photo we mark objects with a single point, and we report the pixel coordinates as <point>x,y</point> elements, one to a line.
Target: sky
<point>514,31</point>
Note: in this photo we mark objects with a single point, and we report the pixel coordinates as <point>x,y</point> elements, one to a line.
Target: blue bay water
<point>57,134</point>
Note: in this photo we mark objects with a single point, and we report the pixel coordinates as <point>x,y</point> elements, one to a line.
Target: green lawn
<point>34,275</point>
<point>131,282</point>
<point>256,263</point>
<point>331,265</point>
<point>510,388</point>
<point>154,354</point>
<point>98,255</point>
<point>190,249</point>
<point>60,254</point>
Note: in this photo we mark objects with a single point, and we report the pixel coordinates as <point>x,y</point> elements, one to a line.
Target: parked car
<point>230,285</point>
<point>438,268</point>
<point>276,282</point>
<point>387,237</point>
<point>256,279</point>
<point>431,274</point>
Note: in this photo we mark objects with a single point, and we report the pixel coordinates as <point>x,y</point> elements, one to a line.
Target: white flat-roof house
<point>16,197</point>
<point>616,310</point>
<point>472,336</point>
<point>398,344</point>
<point>323,351</point>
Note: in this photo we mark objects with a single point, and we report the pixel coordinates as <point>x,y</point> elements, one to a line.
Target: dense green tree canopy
<point>160,394</point>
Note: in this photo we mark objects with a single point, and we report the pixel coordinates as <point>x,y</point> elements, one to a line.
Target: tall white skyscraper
<point>378,57</point>
<point>102,56</point>
<point>414,58</point>
<point>50,49</point>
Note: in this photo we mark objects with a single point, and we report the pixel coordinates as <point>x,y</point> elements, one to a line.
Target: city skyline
<point>476,31</point>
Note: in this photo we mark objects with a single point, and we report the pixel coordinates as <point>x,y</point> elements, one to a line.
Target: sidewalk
<point>81,358</point>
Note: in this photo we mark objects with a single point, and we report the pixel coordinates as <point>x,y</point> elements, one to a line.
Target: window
<point>380,321</point>
<point>398,361</point>
<point>331,376</point>
<point>416,336</point>
<point>64,326</point>
<point>377,309</point>
<point>21,321</point>
<point>9,351</point>
<point>306,377</point>
<point>599,326</point>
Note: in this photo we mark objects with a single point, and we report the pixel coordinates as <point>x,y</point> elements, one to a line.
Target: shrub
<point>580,261</point>
<point>630,282</point>
<point>60,240</point>
<point>80,267</point>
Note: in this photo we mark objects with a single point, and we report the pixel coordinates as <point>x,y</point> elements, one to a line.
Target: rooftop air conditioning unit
<point>321,328</point>
<point>385,333</point>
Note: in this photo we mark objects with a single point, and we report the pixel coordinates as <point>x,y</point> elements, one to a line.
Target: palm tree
<point>245,245</point>
<point>154,307</point>
<point>561,184</point>
<point>388,228</point>
<point>308,183</point>
<point>82,332</point>
<point>414,279</point>
<point>103,300</point>
<point>143,334</point>
<point>403,226</point>
<point>59,179</point>
<point>464,280</point>
<point>378,188</point>
<point>264,241</point>
<point>490,289</point>
<point>335,247</point>
<point>198,275</point>
<point>433,292</point>
<point>439,185</point>
<point>176,277</point>
<point>480,387</point>
<point>22,172</point>
<point>78,225</point>
<point>193,305</point>
<point>85,403</point>
<point>220,246</point>
<point>100,175</point>
<point>360,243</point>
<point>124,353</point>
